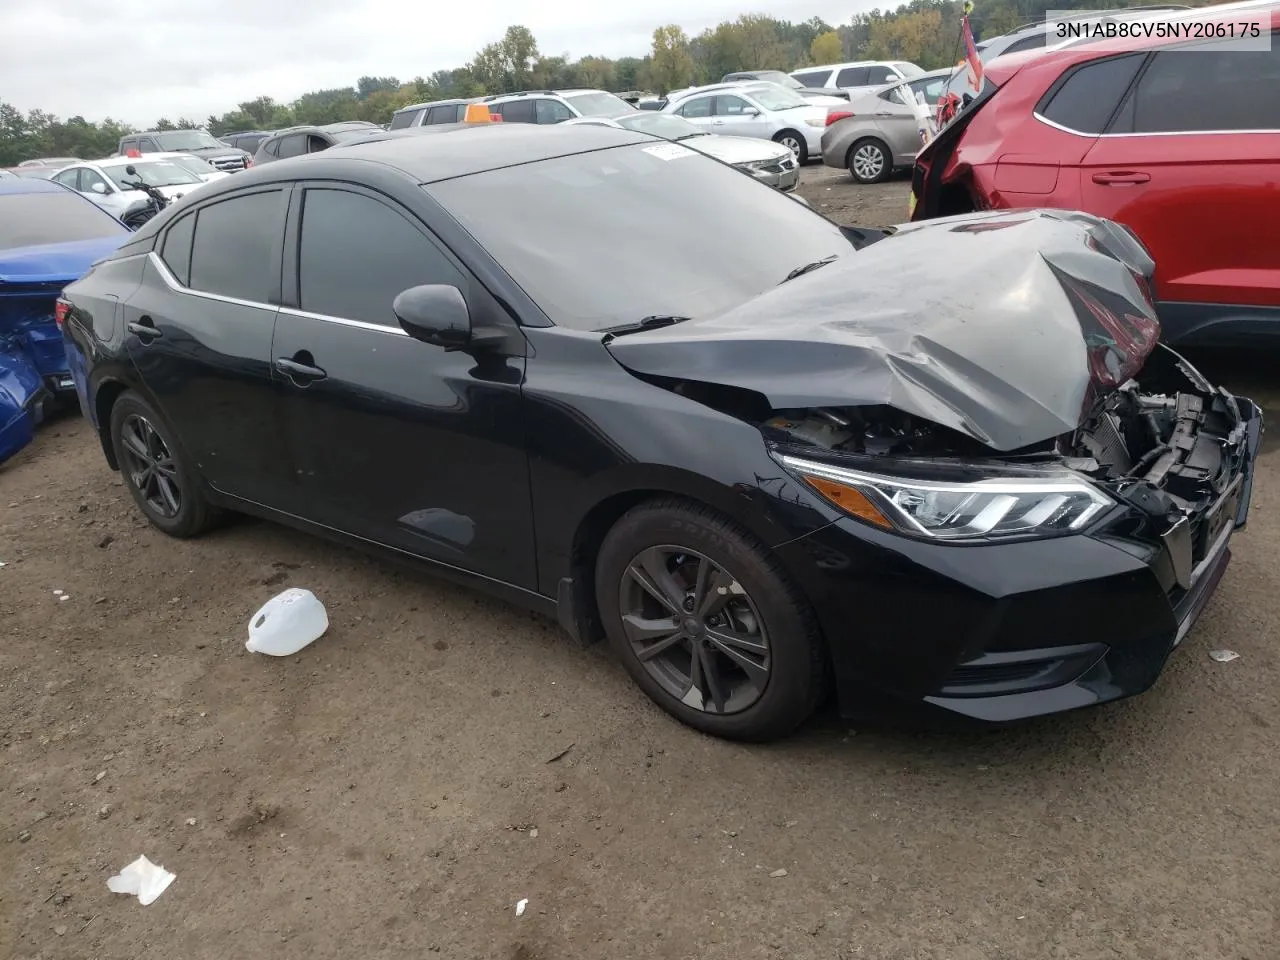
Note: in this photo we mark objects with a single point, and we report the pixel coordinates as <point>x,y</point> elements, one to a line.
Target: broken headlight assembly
<point>1021,504</point>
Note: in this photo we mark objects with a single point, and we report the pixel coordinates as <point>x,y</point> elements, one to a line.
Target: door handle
<point>299,372</point>
<point>884,114</point>
<point>717,122</point>
<point>144,329</point>
<point>1121,178</point>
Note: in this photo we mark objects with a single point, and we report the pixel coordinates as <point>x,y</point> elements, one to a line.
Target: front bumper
<point>1005,632</point>
<point>783,175</point>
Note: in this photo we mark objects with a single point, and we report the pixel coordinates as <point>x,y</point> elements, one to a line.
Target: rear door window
<point>518,111</point>
<point>699,107</point>
<point>445,114</point>
<point>405,118</point>
<point>1038,39</point>
<point>357,254</point>
<point>1087,98</point>
<point>233,251</point>
<point>814,78</point>
<point>1216,87</point>
<point>852,77</point>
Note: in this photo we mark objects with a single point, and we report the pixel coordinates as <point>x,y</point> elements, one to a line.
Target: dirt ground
<point>397,787</point>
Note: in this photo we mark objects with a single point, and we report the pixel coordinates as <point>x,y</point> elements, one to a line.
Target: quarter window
<point>176,252</point>
<point>357,254</point>
<point>234,241</point>
<point>1209,87</point>
<point>1088,97</point>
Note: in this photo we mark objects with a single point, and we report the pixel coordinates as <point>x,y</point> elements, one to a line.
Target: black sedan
<point>619,382</point>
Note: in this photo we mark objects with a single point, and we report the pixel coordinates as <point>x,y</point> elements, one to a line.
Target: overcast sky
<point>137,61</point>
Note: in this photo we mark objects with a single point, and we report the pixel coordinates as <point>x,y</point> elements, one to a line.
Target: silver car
<point>770,163</point>
<point>759,110</point>
<point>106,182</point>
<point>879,132</point>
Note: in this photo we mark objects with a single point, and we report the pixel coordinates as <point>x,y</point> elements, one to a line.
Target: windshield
<point>352,134</point>
<point>663,125</point>
<point>781,79</point>
<point>157,173</point>
<point>192,164</point>
<point>600,105</point>
<point>186,140</point>
<point>774,97</point>
<point>639,231</point>
<point>33,219</point>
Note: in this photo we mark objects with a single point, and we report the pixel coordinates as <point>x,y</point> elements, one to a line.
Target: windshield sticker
<point>669,151</point>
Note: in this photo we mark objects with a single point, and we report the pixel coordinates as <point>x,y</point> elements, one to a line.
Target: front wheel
<point>156,471</point>
<point>795,143</point>
<point>706,622</point>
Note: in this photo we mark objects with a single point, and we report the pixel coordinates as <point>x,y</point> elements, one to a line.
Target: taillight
<point>834,116</point>
<point>60,310</point>
<point>248,162</point>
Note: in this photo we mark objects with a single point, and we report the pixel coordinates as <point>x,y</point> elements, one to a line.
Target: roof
<point>467,148</point>
<point>24,185</point>
<point>377,135</point>
<point>452,101</point>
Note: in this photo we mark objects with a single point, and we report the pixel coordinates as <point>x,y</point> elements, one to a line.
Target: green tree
<point>507,64</point>
<point>671,65</point>
<point>826,48</point>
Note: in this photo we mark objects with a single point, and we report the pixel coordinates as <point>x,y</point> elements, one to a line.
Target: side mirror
<point>98,187</point>
<point>131,170</point>
<point>436,313</point>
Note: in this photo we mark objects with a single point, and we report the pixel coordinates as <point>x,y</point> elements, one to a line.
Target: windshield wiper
<point>646,323</point>
<point>808,267</point>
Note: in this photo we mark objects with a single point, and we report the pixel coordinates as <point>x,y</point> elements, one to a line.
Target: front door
<point>398,441</point>
<point>199,329</point>
<point>1190,161</point>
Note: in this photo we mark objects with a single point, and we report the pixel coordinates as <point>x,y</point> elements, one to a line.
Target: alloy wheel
<point>152,468</point>
<point>868,162</point>
<point>695,630</point>
<point>792,144</point>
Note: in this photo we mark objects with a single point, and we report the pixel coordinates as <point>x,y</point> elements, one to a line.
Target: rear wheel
<point>156,471</point>
<point>706,622</point>
<point>870,161</point>
<point>794,142</point>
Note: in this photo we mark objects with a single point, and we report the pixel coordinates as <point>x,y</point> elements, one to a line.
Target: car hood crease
<point>1005,326</point>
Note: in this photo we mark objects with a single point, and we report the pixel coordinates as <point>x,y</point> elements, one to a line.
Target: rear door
<point>897,122</point>
<point>1191,162</point>
<point>199,331</point>
<point>398,441</point>
<point>697,110</point>
<point>516,111</point>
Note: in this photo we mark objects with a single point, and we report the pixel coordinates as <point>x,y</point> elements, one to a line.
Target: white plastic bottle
<point>287,623</point>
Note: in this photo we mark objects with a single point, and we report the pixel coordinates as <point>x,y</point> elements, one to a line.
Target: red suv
<point>1179,140</point>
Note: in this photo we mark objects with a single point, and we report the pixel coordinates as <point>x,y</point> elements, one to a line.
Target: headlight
<point>1055,502</point>
<point>817,123</point>
<point>757,165</point>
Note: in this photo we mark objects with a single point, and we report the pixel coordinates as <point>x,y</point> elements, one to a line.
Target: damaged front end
<point>32,361</point>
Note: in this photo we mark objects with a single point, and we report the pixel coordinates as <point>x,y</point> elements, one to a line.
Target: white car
<point>770,163</point>
<point>106,182</point>
<point>858,77</point>
<point>760,110</point>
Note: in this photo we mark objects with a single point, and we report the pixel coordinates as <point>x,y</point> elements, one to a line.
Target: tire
<point>784,684</point>
<point>185,511</point>
<point>794,142</point>
<point>869,161</point>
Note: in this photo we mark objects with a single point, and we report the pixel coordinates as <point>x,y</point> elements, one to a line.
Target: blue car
<point>49,236</point>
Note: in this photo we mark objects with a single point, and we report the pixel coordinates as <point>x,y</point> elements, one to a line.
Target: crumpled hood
<point>54,262</point>
<point>1006,326</point>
